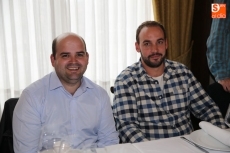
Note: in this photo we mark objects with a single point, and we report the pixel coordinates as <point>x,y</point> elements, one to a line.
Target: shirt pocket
<point>178,99</point>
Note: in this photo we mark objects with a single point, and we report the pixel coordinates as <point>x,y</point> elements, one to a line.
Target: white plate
<point>70,151</point>
<point>202,139</point>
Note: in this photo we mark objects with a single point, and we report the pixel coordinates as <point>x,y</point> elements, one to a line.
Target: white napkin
<point>219,134</point>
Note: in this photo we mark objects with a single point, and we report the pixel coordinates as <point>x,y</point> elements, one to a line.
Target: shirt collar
<point>56,83</point>
<point>169,69</point>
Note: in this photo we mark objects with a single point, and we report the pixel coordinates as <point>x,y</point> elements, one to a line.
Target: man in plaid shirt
<point>153,98</point>
<point>218,48</point>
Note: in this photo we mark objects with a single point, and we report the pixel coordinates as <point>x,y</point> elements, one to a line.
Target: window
<point>28,27</point>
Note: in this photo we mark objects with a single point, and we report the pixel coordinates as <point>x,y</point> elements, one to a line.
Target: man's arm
<point>107,134</point>
<point>202,106</point>
<point>225,84</point>
<point>218,49</point>
<point>126,114</point>
<point>26,126</point>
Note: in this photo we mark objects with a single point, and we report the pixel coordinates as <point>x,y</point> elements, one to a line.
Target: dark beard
<point>151,64</point>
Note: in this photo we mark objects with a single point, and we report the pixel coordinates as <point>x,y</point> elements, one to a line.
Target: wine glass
<point>49,142</point>
<point>64,147</point>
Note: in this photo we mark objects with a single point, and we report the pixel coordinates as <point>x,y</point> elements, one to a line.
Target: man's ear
<point>137,47</point>
<point>166,43</point>
<point>87,55</point>
<point>52,59</point>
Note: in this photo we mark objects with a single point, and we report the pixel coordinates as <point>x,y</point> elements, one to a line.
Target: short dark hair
<point>149,24</point>
<point>54,47</point>
<point>54,44</point>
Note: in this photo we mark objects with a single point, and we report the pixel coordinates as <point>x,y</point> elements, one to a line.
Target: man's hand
<point>225,84</point>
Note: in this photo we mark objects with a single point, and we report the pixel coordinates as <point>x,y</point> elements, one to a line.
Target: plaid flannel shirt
<point>144,112</point>
<point>218,45</point>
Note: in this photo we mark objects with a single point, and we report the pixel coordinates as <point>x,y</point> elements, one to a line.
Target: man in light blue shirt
<point>64,104</point>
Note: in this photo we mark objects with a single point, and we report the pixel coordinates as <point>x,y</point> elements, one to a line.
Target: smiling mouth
<point>73,68</point>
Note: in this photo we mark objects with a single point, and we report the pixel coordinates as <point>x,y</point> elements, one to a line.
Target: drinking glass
<point>64,147</point>
<point>49,142</point>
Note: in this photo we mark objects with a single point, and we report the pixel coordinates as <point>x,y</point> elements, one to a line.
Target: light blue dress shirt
<point>45,106</point>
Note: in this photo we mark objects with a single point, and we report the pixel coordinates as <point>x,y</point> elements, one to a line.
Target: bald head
<point>62,37</point>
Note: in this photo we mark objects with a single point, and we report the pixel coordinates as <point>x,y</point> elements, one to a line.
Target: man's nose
<point>73,59</point>
<point>154,48</point>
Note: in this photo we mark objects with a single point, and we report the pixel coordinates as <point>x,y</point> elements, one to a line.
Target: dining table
<point>171,145</point>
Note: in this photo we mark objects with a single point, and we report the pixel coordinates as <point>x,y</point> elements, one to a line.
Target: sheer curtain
<point>28,27</point>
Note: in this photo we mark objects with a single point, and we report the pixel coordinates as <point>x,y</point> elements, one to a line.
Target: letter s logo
<point>215,7</point>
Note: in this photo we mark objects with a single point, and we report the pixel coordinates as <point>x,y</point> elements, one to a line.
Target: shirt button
<point>155,82</point>
<point>160,97</point>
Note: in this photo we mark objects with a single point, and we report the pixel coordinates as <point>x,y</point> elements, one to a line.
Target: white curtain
<point>27,28</point>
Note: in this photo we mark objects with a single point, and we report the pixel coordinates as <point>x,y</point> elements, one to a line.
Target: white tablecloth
<point>169,145</point>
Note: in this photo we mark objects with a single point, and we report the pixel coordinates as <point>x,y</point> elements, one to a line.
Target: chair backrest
<point>112,89</point>
<point>6,132</point>
<point>220,96</point>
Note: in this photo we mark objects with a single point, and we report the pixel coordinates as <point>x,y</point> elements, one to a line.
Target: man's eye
<point>146,44</point>
<point>65,55</point>
<point>160,42</point>
<point>80,54</point>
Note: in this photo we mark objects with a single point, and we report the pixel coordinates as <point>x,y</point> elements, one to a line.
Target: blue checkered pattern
<point>218,45</point>
<point>144,112</point>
